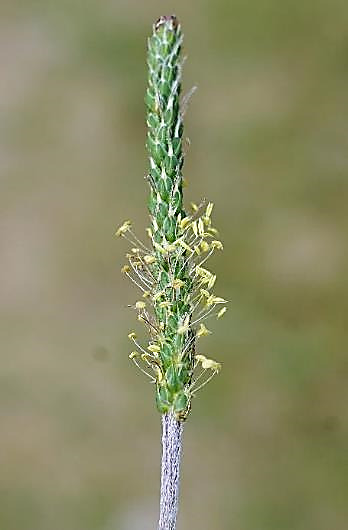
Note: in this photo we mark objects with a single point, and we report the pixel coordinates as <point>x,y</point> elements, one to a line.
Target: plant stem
<point>172,431</point>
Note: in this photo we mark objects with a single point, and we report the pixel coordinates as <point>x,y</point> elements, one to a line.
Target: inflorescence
<point>176,288</point>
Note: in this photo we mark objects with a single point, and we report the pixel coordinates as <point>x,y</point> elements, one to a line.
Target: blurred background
<point>266,446</point>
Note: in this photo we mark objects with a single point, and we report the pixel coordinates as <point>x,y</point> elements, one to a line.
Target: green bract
<point>175,286</point>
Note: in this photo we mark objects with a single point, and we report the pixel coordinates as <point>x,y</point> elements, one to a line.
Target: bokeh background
<point>266,446</point>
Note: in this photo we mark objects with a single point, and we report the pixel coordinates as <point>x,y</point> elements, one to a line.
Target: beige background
<point>266,444</point>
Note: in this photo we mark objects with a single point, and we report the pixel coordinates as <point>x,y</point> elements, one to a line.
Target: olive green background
<point>266,446</point>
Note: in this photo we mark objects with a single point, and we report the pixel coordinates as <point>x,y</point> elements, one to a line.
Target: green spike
<point>172,280</point>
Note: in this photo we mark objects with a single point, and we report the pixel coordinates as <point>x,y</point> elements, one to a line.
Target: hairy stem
<point>172,431</point>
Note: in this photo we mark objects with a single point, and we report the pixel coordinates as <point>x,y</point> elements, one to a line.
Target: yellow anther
<point>123,228</point>
<point>217,244</point>
<point>205,246</point>
<point>132,335</point>
<point>177,283</point>
<point>209,364</point>
<point>149,232</point>
<point>133,354</point>
<point>157,296</point>
<point>212,281</point>
<point>154,348</point>
<point>185,246</point>
<point>213,231</point>
<point>135,250</point>
<point>204,292</point>
<point>146,294</point>
<point>203,331</point>
<point>159,374</point>
<point>149,259</point>
<point>221,312</point>
<point>140,305</point>
<point>194,206</point>
<point>201,271</point>
<point>165,304</point>
<point>209,209</point>
<point>200,227</point>
<point>210,300</point>
<point>159,248</point>
<point>125,268</point>
<point>206,220</point>
<point>219,300</point>
<point>185,222</point>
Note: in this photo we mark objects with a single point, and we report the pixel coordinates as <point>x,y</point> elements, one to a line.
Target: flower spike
<point>170,274</point>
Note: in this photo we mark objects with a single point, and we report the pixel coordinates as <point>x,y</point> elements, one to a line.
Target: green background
<point>266,445</point>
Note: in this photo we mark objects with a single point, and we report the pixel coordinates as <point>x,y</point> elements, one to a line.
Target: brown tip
<point>165,19</point>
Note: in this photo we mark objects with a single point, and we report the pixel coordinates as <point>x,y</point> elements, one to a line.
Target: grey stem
<point>172,431</point>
